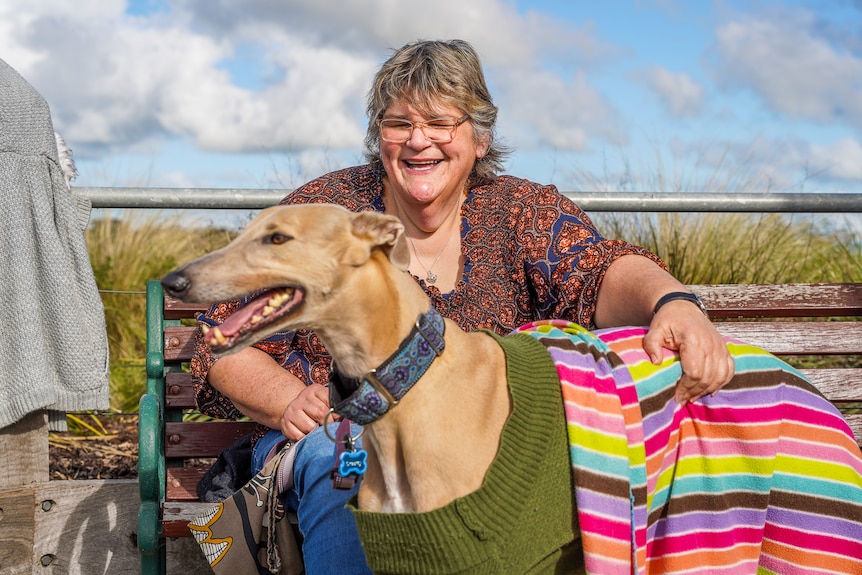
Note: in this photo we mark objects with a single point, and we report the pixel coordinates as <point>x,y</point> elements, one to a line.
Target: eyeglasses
<point>438,130</point>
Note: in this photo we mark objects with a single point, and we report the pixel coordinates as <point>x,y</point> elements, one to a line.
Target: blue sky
<point>646,95</point>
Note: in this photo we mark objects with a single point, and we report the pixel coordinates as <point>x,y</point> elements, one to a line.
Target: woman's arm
<point>631,287</point>
<point>269,394</point>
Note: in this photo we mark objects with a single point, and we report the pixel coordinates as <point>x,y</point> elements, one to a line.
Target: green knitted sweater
<point>521,518</point>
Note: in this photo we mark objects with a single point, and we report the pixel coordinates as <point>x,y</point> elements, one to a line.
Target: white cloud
<point>795,71</point>
<point>552,111</point>
<point>841,160</point>
<point>114,80</point>
<point>679,93</point>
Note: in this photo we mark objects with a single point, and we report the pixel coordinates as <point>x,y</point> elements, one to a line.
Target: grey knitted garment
<point>53,343</point>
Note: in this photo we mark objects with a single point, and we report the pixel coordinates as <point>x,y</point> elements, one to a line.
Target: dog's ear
<point>384,232</point>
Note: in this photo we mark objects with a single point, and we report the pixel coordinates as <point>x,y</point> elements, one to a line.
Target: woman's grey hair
<point>428,73</point>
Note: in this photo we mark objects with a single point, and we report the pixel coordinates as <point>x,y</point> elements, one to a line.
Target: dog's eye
<point>277,239</point>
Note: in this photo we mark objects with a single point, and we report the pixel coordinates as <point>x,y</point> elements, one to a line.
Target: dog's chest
<point>521,517</point>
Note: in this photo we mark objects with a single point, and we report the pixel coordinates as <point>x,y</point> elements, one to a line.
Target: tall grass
<point>727,247</point>
<point>741,247</point>
<point>126,249</point>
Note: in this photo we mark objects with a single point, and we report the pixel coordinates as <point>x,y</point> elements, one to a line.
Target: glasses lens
<point>439,131</point>
<point>395,130</point>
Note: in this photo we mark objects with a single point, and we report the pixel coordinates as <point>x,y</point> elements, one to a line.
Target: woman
<point>490,251</point>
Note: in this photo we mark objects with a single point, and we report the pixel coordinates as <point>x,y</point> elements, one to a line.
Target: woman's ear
<point>482,146</point>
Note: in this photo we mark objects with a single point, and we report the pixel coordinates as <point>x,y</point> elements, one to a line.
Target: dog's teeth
<point>267,310</point>
<point>279,298</point>
<point>205,329</point>
<point>256,319</point>
<point>218,335</point>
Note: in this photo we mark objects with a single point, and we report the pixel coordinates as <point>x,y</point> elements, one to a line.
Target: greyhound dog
<point>434,436</point>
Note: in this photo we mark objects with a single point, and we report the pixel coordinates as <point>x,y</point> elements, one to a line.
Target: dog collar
<point>366,399</point>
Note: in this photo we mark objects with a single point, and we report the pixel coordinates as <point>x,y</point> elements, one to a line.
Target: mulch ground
<point>113,455</point>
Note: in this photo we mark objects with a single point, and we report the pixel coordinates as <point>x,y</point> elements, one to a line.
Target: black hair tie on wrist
<point>687,296</point>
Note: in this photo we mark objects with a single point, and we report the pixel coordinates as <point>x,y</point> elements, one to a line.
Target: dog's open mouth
<point>258,313</point>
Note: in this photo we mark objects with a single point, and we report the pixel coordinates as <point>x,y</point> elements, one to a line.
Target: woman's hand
<point>306,412</point>
<point>706,364</point>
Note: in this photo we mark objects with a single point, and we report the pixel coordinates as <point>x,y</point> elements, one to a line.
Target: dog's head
<point>291,258</point>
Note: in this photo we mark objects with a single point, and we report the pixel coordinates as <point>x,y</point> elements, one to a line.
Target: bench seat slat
<point>203,439</point>
<point>175,309</point>
<point>837,384</point>
<point>177,514</point>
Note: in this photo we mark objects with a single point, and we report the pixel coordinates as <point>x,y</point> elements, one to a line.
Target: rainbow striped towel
<point>763,477</point>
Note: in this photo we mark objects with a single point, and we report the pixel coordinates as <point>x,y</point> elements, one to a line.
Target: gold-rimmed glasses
<point>438,130</point>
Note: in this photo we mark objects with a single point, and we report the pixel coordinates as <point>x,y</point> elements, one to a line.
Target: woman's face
<point>424,172</point>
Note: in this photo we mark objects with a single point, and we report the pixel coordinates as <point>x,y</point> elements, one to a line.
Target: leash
<point>350,462</point>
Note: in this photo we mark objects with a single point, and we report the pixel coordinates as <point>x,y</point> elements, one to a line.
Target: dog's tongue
<point>242,316</point>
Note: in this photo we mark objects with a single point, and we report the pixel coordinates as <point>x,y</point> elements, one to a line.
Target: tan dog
<point>329,270</point>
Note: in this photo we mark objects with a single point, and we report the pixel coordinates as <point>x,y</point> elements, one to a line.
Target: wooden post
<point>23,466</point>
<point>24,452</point>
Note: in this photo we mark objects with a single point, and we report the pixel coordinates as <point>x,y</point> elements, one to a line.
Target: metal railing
<point>252,199</point>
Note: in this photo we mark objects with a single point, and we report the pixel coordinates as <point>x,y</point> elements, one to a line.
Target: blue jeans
<point>330,539</point>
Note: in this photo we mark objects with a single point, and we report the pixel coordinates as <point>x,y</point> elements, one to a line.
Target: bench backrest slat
<point>203,439</point>
<point>782,300</point>
<point>799,338</point>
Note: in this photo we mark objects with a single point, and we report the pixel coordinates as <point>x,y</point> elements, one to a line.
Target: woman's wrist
<point>681,295</point>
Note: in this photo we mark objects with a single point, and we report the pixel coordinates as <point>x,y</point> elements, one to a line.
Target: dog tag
<point>352,461</point>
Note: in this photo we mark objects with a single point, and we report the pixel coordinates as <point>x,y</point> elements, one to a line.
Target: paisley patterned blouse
<point>530,253</point>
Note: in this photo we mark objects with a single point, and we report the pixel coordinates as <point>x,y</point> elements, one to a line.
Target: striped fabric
<point>763,477</point>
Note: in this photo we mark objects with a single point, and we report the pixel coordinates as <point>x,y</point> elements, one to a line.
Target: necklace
<point>430,276</point>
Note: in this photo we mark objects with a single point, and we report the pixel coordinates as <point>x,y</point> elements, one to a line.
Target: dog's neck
<point>461,399</point>
<point>368,398</point>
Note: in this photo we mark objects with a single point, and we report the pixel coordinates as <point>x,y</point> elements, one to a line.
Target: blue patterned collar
<point>366,399</point>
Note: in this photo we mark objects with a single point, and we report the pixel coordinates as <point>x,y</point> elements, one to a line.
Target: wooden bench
<point>795,321</point>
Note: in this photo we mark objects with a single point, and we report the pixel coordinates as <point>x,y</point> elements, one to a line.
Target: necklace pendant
<point>431,277</point>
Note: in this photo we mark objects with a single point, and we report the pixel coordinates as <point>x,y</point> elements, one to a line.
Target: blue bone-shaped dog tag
<point>352,462</point>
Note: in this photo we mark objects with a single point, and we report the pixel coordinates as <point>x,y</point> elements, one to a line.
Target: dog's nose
<point>176,284</point>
